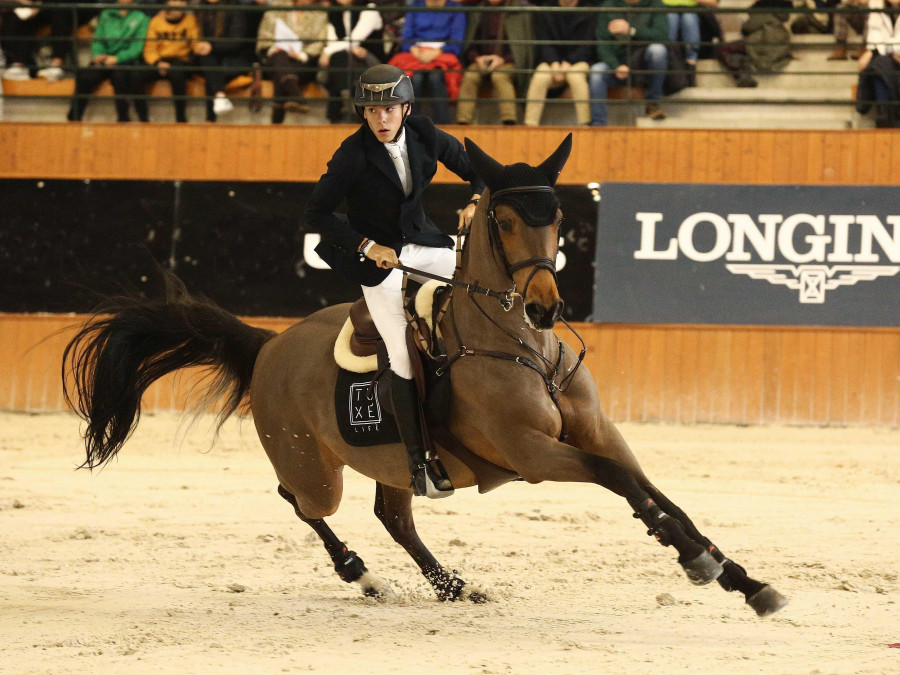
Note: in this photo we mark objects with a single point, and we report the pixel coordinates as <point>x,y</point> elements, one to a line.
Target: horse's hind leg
<point>393,507</point>
<point>347,564</point>
<point>764,599</point>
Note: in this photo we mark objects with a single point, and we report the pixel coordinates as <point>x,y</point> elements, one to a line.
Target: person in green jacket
<point>628,41</point>
<point>118,43</point>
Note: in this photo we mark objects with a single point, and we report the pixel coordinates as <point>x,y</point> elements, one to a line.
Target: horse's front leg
<point>393,507</point>
<point>592,432</point>
<point>537,457</point>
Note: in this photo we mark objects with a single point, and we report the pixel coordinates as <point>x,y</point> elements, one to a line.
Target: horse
<point>519,400</point>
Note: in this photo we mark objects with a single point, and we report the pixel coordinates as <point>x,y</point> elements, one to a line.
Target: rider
<point>380,172</point>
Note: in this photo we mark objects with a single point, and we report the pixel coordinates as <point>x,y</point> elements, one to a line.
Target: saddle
<point>360,349</point>
<point>358,343</point>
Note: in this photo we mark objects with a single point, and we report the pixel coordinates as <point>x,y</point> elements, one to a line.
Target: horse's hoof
<point>449,588</point>
<point>375,587</point>
<point>703,569</point>
<point>478,597</point>
<point>767,601</point>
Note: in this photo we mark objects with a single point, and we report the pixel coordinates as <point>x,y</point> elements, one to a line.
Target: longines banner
<point>739,254</point>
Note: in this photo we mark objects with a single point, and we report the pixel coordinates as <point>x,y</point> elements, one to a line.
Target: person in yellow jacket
<point>173,39</point>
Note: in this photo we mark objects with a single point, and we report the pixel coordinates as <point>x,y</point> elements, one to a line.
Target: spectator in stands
<point>497,43</point>
<point>115,50</point>
<point>879,66</point>
<point>429,53</point>
<point>842,25</point>
<point>354,44</point>
<point>766,46</point>
<point>630,41</point>
<point>289,44</point>
<point>221,53</point>
<point>173,39</point>
<point>563,60</point>
<point>19,32</point>
<point>685,27</point>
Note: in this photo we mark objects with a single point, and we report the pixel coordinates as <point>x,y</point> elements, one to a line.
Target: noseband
<point>497,241</point>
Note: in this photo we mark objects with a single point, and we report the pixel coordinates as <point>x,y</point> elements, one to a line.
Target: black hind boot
<point>429,478</point>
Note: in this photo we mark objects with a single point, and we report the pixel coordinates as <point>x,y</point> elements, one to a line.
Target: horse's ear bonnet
<point>536,209</point>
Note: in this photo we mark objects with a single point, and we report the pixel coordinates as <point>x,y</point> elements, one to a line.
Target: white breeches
<point>386,303</point>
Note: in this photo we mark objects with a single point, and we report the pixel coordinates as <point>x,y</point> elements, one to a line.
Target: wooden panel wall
<point>299,153</point>
<point>686,374</point>
<point>679,373</point>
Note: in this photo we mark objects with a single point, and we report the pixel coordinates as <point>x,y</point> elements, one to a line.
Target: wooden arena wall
<point>726,374</point>
<point>299,153</point>
<point>734,374</point>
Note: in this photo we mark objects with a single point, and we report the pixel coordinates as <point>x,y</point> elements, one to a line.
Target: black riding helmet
<point>382,85</point>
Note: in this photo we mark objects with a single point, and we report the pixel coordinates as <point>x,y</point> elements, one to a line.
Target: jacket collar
<point>379,156</point>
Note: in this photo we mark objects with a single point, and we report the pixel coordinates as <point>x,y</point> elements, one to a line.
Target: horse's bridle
<point>497,241</point>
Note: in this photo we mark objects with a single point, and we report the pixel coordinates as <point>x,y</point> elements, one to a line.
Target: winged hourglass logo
<point>813,280</point>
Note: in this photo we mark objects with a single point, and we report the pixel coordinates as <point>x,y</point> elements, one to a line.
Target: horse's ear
<point>487,168</point>
<point>553,165</point>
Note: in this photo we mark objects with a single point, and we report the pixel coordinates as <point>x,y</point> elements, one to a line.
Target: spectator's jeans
<point>430,84</point>
<point>177,76</point>
<point>501,82</point>
<point>881,90</point>
<point>89,78</point>
<point>688,27</point>
<point>602,78</point>
<point>542,80</point>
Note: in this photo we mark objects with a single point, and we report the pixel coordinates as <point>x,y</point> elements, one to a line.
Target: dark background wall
<point>65,244</point>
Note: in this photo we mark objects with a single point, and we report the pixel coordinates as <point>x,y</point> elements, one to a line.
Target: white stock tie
<point>397,157</point>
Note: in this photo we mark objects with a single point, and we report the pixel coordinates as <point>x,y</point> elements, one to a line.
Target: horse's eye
<point>505,225</point>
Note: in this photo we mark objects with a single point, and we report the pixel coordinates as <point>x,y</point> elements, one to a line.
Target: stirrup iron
<point>431,480</point>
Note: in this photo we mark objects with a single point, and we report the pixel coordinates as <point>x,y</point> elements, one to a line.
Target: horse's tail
<point>129,343</point>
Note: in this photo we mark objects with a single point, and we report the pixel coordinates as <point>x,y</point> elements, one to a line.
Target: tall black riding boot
<point>429,478</point>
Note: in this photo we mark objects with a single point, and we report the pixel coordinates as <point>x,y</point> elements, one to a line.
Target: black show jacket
<point>362,175</point>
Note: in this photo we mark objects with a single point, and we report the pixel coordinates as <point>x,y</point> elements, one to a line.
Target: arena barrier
<point>681,373</point>
<point>686,374</point>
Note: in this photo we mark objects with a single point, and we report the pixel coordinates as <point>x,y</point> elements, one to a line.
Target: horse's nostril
<point>535,313</point>
<point>543,317</point>
<point>557,308</point>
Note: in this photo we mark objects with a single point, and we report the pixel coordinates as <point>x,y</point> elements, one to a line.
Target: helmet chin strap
<point>406,114</point>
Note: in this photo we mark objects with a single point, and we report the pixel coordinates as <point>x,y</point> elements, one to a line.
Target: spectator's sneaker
<point>222,105</point>
<point>51,74</point>
<point>654,112</point>
<point>746,80</point>
<point>16,73</point>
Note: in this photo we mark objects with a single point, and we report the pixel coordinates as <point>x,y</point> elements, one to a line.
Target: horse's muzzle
<point>542,317</point>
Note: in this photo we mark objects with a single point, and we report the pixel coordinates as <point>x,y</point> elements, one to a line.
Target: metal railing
<point>75,45</point>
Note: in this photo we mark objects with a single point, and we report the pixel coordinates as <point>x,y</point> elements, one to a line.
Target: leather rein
<point>547,368</point>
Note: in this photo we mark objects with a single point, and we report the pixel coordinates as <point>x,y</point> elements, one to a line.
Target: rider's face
<point>384,120</point>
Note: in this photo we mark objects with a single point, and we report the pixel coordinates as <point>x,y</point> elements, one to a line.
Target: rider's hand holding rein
<point>467,214</point>
<point>384,256</point>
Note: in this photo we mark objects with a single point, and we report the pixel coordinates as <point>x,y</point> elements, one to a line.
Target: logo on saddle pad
<point>365,410</point>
